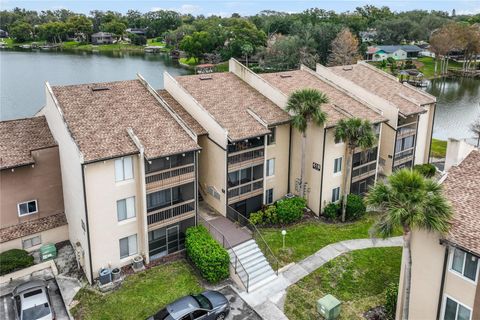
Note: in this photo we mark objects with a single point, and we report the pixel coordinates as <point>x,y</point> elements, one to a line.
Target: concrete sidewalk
<point>268,301</point>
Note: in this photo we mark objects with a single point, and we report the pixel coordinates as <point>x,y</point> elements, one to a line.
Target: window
<point>123,169</point>
<point>465,264</point>
<point>270,167</point>
<point>269,196</point>
<point>336,194</point>
<point>271,136</point>
<point>26,208</point>
<point>197,314</point>
<point>337,166</point>
<point>126,208</point>
<point>128,246</point>
<point>31,242</point>
<point>455,311</point>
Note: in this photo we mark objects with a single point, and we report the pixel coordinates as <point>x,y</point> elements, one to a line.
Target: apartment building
<point>129,168</point>
<point>31,198</point>
<point>445,269</point>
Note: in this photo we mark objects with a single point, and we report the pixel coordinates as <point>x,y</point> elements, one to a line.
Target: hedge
<point>290,210</point>
<point>207,255</point>
<point>332,211</point>
<point>268,216</point>
<point>355,207</point>
<point>391,300</point>
<point>14,259</point>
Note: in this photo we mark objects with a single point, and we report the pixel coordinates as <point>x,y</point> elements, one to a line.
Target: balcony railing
<point>170,176</point>
<point>171,212</point>
<point>404,154</point>
<point>405,132</point>
<point>364,171</point>
<point>242,156</point>
<point>245,188</point>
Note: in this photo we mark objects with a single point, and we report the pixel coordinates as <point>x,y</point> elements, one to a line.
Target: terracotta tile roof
<point>340,105</point>
<point>177,107</point>
<point>227,98</point>
<point>19,137</point>
<point>462,188</point>
<point>99,119</point>
<point>32,227</point>
<point>406,98</point>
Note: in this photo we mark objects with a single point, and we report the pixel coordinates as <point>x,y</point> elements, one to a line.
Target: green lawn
<point>425,65</point>
<point>439,148</point>
<point>141,295</point>
<point>306,238</point>
<point>358,279</point>
<point>189,61</point>
<point>153,42</point>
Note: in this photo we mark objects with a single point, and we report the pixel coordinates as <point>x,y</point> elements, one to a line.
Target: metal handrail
<point>254,230</point>
<point>237,260</point>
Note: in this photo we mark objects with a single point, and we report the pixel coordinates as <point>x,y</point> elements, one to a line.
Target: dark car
<point>209,305</point>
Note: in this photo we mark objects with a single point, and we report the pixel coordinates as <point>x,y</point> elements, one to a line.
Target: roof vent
<point>347,68</point>
<point>205,77</point>
<point>100,88</point>
<point>285,75</point>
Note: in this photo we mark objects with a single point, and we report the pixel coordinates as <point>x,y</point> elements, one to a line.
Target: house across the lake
<point>397,52</point>
<point>102,38</point>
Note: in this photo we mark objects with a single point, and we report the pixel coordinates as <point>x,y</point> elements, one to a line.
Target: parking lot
<point>239,309</point>
<point>7,311</point>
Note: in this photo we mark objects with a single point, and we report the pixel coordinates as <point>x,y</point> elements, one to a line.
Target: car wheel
<point>221,316</point>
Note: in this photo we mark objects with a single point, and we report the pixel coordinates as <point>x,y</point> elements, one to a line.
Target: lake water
<point>23,74</point>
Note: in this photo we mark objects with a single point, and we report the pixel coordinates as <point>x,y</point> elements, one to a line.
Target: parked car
<point>32,301</point>
<point>209,305</point>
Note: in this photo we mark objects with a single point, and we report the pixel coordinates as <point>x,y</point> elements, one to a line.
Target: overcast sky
<point>226,8</point>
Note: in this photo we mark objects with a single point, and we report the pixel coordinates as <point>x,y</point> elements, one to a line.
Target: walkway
<point>268,301</point>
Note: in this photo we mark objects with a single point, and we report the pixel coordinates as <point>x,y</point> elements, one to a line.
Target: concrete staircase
<point>254,264</point>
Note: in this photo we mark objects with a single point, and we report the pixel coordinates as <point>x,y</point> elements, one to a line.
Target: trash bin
<point>48,251</point>
<point>105,276</point>
<point>115,274</point>
<point>329,307</point>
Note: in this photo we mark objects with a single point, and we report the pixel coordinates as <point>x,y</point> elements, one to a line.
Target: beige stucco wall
<point>41,182</point>
<point>422,148</point>
<point>387,147</point>
<point>102,193</point>
<point>458,287</point>
<point>279,151</point>
<point>212,172</point>
<point>72,177</point>
<point>54,235</point>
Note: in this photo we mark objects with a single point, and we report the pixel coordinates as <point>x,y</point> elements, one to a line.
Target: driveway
<point>239,309</point>
<point>7,311</point>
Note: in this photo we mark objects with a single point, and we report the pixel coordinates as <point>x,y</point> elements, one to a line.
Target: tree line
<point>276,40</point>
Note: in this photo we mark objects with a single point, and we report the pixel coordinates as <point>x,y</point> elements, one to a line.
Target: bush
<point>14,259</point>
<point>206,254</point>
<point>267,216</point>
<point>290,210</point>
<point>391,300</point>
<point>332,211</point>
<point>137,40</point>
<point>427,169</point>
<point>355,207</point>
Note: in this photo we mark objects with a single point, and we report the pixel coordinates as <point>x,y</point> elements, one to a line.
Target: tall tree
<point>305,105</point>
<point>409,201</point>
<point>344,49</point>
<point>356,133</point>
<point>21,31</point>
<point>475,128</point>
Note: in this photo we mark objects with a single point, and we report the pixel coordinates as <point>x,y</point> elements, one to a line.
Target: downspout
<point>195,154</point>
<point>415,142</point>
<point>321,173</point>
<point>431,132</point>
<point>143,189</point>
<point>289,157</point>
<point>442,283</point>
<point>87,224</point>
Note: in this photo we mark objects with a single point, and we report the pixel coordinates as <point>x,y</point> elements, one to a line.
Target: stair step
<point>244,244</point>
<point>258,270</point>
<point>246,260</point>
<point>250,247</point>
<point>262,282</point>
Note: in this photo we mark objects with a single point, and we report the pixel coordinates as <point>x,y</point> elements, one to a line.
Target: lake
<point>23,74</point>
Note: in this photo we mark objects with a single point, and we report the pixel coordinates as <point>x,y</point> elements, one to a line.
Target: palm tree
<point>356,133</point>
<point>305,105</point>
<point>409,201</point>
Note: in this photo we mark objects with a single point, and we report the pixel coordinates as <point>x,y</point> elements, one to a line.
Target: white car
<point>32,301</point>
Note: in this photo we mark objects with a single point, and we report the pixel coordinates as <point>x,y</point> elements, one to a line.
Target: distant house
<point>3,34</point>
<point>398,52</point>
<point>368,36</point>
<point>102,38</point>
<point>137,31</point>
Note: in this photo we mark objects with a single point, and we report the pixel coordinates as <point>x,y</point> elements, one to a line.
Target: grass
<point>358,279</point>
<point>439,148</point>
<point>153,42</point>
<point>189,61</point>
<point>140,295</point>
<point>425,65</point>
<point>306,238</point>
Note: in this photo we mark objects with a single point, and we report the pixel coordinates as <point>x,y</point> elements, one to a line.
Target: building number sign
<point>316,166</point>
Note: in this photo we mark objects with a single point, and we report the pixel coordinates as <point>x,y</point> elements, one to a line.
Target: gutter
<point>322,168</point>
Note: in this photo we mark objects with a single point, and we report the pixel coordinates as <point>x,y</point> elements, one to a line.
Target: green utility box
<point>329,307</point>
<point>48,251</point>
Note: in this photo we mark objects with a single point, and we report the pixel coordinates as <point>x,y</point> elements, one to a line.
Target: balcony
<point>245,191</point>
<point>406,131</point>
<point>364,171</point>
<point>249,158</point>
<point>170,177</point>
<point>172,214</point>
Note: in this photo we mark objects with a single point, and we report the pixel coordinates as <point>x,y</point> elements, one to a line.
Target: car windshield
<point>203,302</point>
<point>36,312</point>
<point>161,315</point>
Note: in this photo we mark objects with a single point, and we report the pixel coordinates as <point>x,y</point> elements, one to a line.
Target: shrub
<point>268,216</point>
<point>331,211</point>
<point>207,255</point>
<point>137,40</point>
<point>391,300</point>
<point>14,259</point>
<point>290,210</point>
<point>427,169</point>
<point>256,217</point>
<point>355,207</point>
